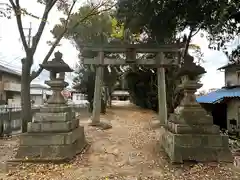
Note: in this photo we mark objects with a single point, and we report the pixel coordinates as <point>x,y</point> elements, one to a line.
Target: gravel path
<point>128,151</point>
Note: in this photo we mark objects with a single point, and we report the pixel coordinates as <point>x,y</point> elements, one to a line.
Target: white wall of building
<point>39,95</point>
<point>38,99</point>
<point>15,102</point>
<point>78,98</point>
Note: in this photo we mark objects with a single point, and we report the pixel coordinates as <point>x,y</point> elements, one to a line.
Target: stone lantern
<point>190,133</point>
<point>57,68</point>
<point>54,133</point>
<point>190,73</point>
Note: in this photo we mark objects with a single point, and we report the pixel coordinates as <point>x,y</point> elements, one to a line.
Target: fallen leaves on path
<point>41,172</point>
<point>128,151</point>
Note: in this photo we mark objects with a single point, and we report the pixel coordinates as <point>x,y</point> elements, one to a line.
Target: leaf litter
<point>128,151</point>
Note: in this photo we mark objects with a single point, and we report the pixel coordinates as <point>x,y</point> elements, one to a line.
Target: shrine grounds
<point>131,150</point>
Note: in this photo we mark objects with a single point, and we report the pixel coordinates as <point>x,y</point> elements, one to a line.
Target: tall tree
<point>164,22</point>
<point>227,32</point>
<point>227,28</point>
<point>27,76</point>
<point>100,28</point>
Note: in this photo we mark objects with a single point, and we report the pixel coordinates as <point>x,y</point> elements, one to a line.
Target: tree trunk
<point>110,101</point>
<point>105,95</point>
<point>103,106</point>
<point>90,108</point>
<point>109,94</point>
<point>26,114</point>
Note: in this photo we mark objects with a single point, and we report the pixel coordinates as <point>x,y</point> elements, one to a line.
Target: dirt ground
<point>128,151</point>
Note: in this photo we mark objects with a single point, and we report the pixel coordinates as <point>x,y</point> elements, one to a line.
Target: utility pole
<point>29,36</point>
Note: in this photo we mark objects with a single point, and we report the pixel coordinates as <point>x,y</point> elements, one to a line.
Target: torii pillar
<point>162,99</point>
<point>95,121</point>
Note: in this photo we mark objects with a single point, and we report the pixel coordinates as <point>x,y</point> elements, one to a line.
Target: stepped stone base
<point>57,126</point>
<point>193,128</point>
<point>54,135</point>
<point>196,147</point>
<point>51,146</point>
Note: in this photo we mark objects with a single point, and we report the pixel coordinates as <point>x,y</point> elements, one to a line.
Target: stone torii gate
<point>131,50</point>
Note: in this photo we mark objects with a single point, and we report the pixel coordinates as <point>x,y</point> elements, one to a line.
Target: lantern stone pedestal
<point>54,134</point>
<point>190,134</point>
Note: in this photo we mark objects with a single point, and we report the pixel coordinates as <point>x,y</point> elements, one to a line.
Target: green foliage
<point>234,57</point>
<point>162,22</point>
<point>163,19</point>
<point>98,29</point>
<point>117,29</point>
<point>227,29</point>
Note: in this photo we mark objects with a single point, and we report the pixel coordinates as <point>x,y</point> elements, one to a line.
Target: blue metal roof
<point>216,96</point>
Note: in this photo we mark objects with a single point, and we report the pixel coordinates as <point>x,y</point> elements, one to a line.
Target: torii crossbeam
<point>131,50</point>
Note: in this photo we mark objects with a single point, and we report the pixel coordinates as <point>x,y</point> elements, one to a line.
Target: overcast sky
<point>12,50</point>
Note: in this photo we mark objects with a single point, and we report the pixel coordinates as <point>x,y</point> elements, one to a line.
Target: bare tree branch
<point>41,27</point>
<point>199,28</point>
<point>17,10</point>
<point>36,73</point>
<point>196,31</point>
<point>93,12</point>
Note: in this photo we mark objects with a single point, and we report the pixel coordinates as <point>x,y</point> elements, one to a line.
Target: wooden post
<point>162,100</point>
<point>97,92</point>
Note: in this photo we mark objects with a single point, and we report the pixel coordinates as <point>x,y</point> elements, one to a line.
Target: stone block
<point>188,140</point>
<point>38,153</point>
<point>53,126</point>
<point>52,117</point>
<point>197,147</point>
<point>194,129</point>
<point>55,109</point>
<point>188,115</point>
<point>51,139</point>
<point>218,141</point>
